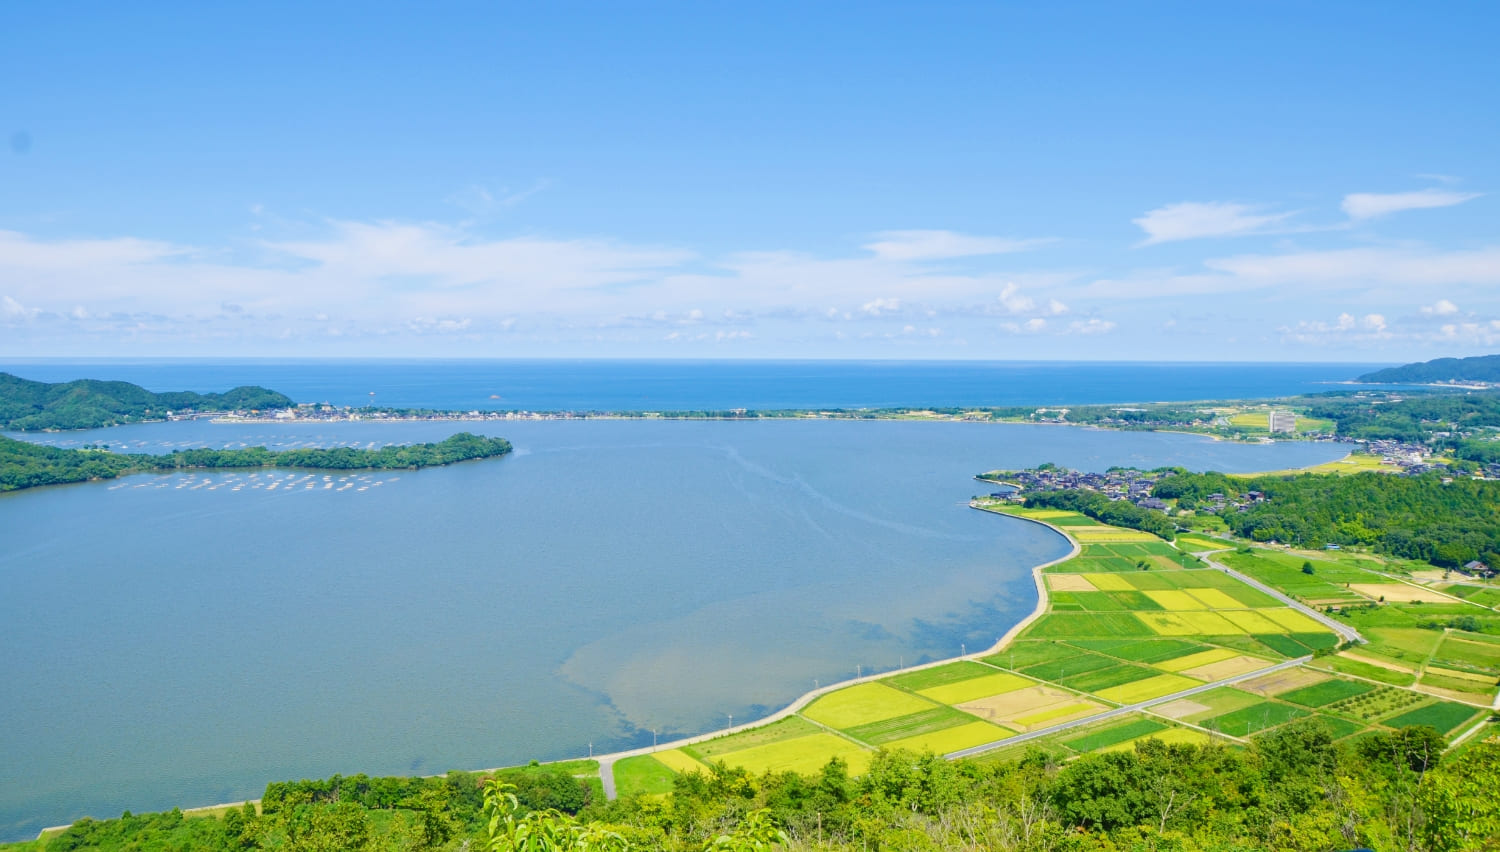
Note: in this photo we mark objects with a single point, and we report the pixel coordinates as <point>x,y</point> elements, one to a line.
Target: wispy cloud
<point>1365,266</point>
<point>1369,205</point>
<point>940,245</point>
<point>1440,308</point>
<point>1191,220</point>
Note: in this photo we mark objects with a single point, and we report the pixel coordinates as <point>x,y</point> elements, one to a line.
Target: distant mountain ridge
<point>31,406</point>
<point>1481,368</point>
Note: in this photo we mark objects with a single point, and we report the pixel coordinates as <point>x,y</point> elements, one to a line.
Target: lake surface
<point>182,640</point>
<point>621,385</point>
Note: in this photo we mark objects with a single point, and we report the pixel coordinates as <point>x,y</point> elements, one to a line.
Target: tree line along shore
<point>27,465</point>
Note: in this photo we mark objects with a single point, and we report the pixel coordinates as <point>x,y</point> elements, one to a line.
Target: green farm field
<point>905,727</point>
<point>1117,732</point>
<point>1445,716</point>
<point>642,775</point>
<point>1253,719</point>
<point>940,675</point>
<point>1142,650</point>
<point>1327,692</point>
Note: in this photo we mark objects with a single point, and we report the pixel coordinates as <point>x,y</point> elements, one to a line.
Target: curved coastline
<point>808,697</point>
<point>607,761</point>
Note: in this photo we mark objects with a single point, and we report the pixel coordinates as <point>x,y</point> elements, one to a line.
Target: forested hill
<point>1481,368</point>
<point>26,405</point>
<point>26,465</point>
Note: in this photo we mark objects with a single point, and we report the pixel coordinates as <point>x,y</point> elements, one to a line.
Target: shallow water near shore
<point>182,640</point>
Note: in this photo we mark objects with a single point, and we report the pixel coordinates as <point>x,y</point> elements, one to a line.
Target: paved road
<point>1348,633</point>
<point>1121,711</point>
<point>607,776</point>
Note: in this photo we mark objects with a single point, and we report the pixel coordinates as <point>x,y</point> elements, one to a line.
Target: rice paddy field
<point>1132,620</point>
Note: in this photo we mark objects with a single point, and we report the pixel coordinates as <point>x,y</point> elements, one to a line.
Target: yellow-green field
<point>1199,543</point>
<point>1151,687</point>
<point>1194,660</point>
<point>953,739</point>
<point>1109,582</point>
<point>1108,535</point>
<point>678,761</point>
<point>862,704</point>
<point>1103,639</point>
<point>979,687</point>
<point>1170,736</point>
<point>1353,463</point>
<point>803,754</point>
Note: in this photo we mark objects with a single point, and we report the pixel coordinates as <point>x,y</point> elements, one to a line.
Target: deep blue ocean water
<point>182,640</point>
<point>694,385</point>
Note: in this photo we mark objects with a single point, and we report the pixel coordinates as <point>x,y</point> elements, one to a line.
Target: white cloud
<point>1368,205</point>
<point>1190,220</point>
<point>939,245</point>
<point>876,307</point>
<point>1440,308</point>
<point>1014,302</point>
<point>20,252</point>
<point>1091,326</point>
<point>1368,327</point>
<point>13,311</point>
<point>1364,266</point>
<point>428,325</point>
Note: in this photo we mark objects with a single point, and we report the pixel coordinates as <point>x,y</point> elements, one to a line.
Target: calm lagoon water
<point>183,640</point>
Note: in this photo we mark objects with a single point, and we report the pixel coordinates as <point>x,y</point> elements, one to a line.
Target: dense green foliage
<point>26,405</point>
<point>1416,517</point>
<point>1101,508</point>
<point>1481,368</point>
<point>1479,452</point>
<point>25,465</point>
<point>1413,418</point>
<point>1293,788</point>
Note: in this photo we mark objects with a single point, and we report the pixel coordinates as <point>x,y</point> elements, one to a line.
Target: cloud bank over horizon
<point>712,183</point>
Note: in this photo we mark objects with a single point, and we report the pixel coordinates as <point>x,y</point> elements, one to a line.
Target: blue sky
<point>1151,181</point>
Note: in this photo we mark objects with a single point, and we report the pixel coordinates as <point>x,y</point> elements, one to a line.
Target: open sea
<point>182,640</point>
<point>554,385</point>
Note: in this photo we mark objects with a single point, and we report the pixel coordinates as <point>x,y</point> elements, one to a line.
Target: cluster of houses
<point>1118,484</point>
<point>1218,503</point>
<point>325,413</point>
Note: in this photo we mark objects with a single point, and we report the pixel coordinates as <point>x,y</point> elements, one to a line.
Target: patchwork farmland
<point>1135,639</point>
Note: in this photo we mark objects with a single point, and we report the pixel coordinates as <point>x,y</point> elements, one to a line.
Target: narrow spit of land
<point>27,465</point>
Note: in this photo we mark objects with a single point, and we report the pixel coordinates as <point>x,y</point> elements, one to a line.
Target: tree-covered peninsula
<point>26,465</point>
<point>30,406</point>
<point>1481,368</point>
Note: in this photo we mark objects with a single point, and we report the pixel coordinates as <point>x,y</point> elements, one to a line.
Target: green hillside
<point>1481,368</point>
<point>26,405</point>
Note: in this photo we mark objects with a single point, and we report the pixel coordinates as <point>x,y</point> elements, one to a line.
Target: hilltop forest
<point>1481,368</point>
<point>29,406</point>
